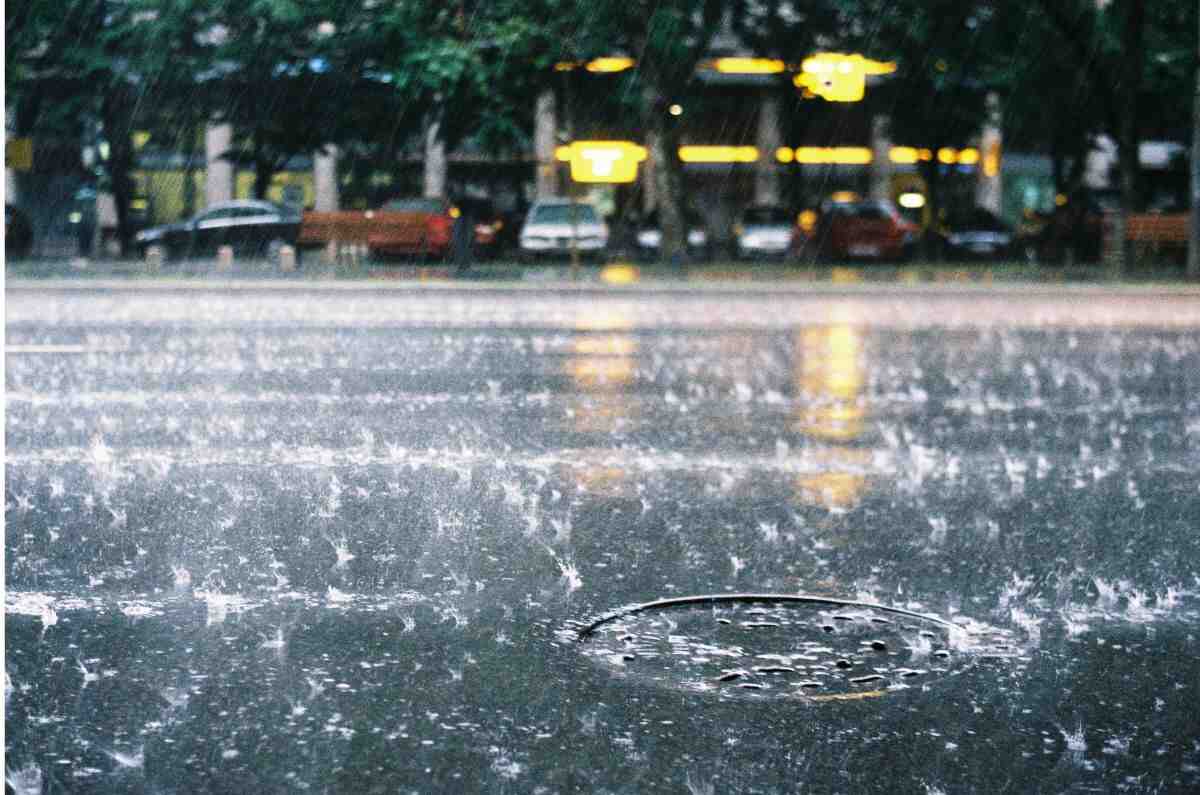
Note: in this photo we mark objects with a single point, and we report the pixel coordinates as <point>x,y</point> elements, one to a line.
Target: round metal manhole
<point>811,648</point>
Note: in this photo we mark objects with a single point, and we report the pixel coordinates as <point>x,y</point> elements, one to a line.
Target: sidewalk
<point>736,276</point>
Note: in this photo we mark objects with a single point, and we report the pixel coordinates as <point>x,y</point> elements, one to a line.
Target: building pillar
<point>881,157</point>
<point>218,170</point>
<point>545,140</point>
<point>989,188</point>
<point>325,180</point>
<point>768,140</point>
<point>435,158</point>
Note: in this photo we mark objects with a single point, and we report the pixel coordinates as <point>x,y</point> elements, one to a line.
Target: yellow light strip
<point>785,154</point>
<point>749,66</point>
<point>836,155</point>
<point>612,63</point>
<point>718,154</point>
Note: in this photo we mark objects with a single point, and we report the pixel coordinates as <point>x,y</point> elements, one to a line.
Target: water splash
<point>26,781</point>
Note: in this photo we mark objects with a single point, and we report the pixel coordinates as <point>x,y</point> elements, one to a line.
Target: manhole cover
<point>770,645</point>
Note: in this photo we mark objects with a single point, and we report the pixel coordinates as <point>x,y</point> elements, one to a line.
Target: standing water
<point>384,540</point>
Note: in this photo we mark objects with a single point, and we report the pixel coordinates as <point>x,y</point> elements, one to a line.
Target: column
<point>545,139</point>
<point>218,171</point>
<point>881,157</point>
<point>768,141</point>
<point>435,158</point>
<point>325,181</point>
<point>989,190</point>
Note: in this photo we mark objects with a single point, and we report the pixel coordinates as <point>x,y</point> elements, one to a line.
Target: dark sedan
<point>975,234</point>
<point>255,228</point>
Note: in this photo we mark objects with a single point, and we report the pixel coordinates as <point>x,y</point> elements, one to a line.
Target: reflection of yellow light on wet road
<point>605,345</point>
<point>602,318</point>
<point>829,381</point>
<point>592,373</point>
<point>840,483</point>
<point>620,273</point>
<point>845,275</point>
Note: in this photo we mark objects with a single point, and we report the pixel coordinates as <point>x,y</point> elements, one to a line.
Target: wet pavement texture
<point>392,541</point>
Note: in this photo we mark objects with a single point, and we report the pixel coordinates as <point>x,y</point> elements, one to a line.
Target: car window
<point>562,214</point>
<point>253,212</point>
<point>417,205</point>
<point>219,214</point>
<point>869,212</point>
<point>767,215</point>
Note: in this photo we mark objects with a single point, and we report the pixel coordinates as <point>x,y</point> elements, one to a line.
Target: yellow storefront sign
<point>839,77</point>
<point>602,161</point>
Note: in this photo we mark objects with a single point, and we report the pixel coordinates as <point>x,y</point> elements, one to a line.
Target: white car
<point>553,225</point>
<point>764,231</point>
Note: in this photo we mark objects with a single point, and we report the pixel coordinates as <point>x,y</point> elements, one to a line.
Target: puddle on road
<point>812,649</point>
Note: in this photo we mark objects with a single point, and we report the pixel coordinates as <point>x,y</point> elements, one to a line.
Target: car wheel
<point>273,248</point>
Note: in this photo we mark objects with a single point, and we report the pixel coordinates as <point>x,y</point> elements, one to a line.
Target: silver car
<point>555,226</point>
<point>764,231</point>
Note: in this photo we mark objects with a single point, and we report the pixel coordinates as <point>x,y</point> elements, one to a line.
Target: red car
<point>871,229</point>
<point>423,227</point>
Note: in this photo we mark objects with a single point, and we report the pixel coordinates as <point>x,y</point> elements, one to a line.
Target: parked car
<point>256,228</point>
<point>414,226</point>
<point>974,234</point>
<point>648,235</point>
<point>554,226</point>
<point>870,229</point>
<point>18,233</point>
<point>764,231</point>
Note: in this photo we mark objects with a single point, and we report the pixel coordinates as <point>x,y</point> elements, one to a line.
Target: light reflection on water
<point>312,559</point>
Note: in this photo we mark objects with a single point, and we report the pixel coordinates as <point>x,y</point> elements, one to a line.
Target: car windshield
<point>979,220</point>
<point>767,216</point>
<point>415,205</point>
<point>563,214</point>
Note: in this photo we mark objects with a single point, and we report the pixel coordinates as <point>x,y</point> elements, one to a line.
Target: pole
<point>1193,263</point>
<point>574,235</point>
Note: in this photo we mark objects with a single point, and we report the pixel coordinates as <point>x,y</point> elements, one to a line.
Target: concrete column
<point>435,159</point>
<point>989,189</point>
<point>881,157</point>
<point>768,140</point>
<point>545,139</point>
<point>218,172</point>
<point>325,179</point>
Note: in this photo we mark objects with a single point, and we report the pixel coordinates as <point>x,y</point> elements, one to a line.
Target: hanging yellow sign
<point>602,161</point>
<point>839,77</point>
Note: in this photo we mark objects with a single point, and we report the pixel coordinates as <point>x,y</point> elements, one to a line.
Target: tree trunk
<point>1132,58</point>
<point>118,133</point>
<point>435,155</point>
<point>264,168</point>
<point>662,138</point>
<point>1193,263</point>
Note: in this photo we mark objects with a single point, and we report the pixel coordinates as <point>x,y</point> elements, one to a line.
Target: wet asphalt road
<point>341,539</point>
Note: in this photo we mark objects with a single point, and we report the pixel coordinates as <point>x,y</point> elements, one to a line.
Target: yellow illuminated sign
<point>718,154</point>
<point>602,161</point>
<point>18,154</point>
<point>839,77</point>
<point>609,64</point>
<point>748,66</point>
<point>838,155</point>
